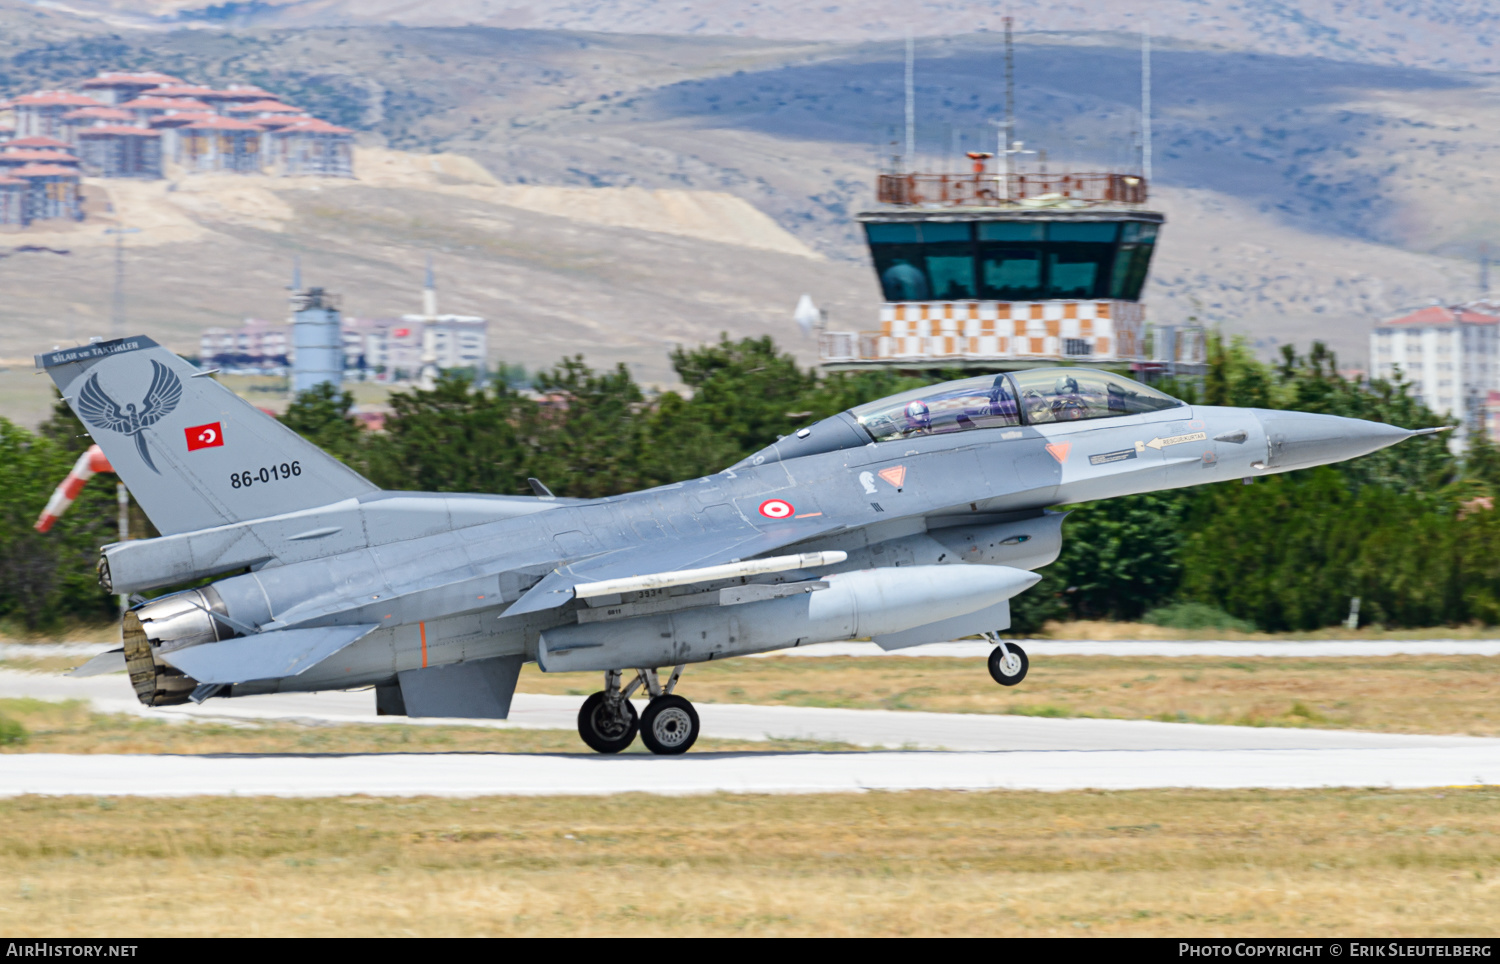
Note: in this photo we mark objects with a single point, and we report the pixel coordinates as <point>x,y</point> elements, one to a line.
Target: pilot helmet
<point>917,414</point>
<point>1065,385</point>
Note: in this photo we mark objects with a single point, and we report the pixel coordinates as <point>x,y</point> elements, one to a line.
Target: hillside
<point>1415,33</point>
<point>1305,196</point>
<point>618,274</point>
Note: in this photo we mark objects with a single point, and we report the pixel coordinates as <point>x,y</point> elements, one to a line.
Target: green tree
<point>452,438</point>
<point>322,416</point>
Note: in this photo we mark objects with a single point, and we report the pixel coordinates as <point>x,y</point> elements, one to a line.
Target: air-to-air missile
<point>908,520</point>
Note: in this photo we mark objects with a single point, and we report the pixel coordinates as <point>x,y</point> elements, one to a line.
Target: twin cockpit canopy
<point>997,401</point>
<point>1037,397</point>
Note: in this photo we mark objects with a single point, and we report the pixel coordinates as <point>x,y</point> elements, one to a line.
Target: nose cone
<point>1300,439</point>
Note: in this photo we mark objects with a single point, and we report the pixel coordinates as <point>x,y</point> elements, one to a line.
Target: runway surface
<point>982,752</point>
<point>468,774</point>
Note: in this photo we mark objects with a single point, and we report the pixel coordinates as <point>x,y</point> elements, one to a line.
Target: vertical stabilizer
<point>193,453</point>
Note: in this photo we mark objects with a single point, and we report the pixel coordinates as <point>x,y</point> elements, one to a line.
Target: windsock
<point>88,465</point>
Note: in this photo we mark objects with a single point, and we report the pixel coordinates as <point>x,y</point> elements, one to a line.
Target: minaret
<point>427,380</point>
<point>429,294</point>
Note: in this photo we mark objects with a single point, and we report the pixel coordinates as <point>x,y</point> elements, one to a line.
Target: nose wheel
<point>608,722</point>
<point>1008,663</point>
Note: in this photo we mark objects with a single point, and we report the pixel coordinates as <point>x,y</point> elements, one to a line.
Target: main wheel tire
<point>603,731</point>
<point>669,726</point>
<point>1008,671</point>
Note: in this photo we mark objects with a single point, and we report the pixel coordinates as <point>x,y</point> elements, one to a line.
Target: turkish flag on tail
<point>204,436</point>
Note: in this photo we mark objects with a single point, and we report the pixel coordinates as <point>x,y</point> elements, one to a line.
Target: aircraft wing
<point>556,588</point>
<point>272,655</point>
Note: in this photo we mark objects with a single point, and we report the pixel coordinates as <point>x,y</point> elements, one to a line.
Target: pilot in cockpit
<point>918,418</point>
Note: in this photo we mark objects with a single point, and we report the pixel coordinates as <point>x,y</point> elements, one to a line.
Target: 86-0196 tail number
<point>266,473</point>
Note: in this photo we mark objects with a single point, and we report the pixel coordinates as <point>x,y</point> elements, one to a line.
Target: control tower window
<point>1011,260</point>
<point>950,260</point>
<point>988,401</point>
<point>1078,258</point>
<point>1132,261</point>
<point>1072,394</point>
<point>897,249</point>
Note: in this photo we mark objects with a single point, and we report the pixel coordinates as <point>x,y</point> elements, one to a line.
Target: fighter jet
<point>908,520</point>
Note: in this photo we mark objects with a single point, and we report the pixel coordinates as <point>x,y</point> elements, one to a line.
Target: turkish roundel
<point>204,436</point>
<point>776,509</point>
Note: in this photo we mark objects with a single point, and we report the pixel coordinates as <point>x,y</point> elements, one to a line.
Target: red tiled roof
<point>54,98</point>
<point>152,102</point>
<point>246,90</point>
<point>41,157</point>
<point>43,170</point>
<point>220,124</point>
<point>119,78</point>
<point>1443,315</point>
<point>38,141</point>
<point>183,119</point>
<point>107,130</point>
<point>98,113</point>
<point>314,125</point>
<point>11,180</point>
<point>182,90</point>
<point>265,107</point>
<point>274,123</point>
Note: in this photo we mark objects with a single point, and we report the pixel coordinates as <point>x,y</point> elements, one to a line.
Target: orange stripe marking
<point>423,628</point>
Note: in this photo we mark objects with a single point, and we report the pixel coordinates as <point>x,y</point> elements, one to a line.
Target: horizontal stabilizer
<point>273,655</point>
<point>110,662</point>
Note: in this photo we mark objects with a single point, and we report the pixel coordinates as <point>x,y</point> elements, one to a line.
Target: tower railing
<point>1009,190</point>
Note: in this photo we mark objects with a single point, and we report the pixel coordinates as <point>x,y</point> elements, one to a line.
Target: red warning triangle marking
<point>1059,450</point>
<point>895,475</point>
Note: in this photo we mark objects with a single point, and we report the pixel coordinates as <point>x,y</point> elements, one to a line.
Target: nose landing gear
<point>608,723</point>
<point>1008,662</point>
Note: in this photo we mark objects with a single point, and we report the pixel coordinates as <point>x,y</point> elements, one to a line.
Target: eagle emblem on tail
<point>96,407</point>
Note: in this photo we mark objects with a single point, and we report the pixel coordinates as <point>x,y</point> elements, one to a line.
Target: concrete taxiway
<point>982,752</point>
<point>468,774</point>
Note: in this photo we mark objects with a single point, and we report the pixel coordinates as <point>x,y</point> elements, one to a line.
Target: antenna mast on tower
<point>1146,102</point>
<point>1009,146</point>
<point>911,105</point>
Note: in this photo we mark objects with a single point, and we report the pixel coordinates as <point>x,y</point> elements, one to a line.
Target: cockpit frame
<point>1008,399</point>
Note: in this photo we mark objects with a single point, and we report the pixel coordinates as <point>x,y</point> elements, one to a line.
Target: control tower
<point>317,340</point>
<point>1002,271</point>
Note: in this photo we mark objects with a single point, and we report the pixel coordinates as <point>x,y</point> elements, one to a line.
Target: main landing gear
<point>1008,662</point>
<point>608,722</point>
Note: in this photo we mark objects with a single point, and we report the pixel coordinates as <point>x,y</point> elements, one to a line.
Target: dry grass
<point>70,728</point>
<point>43,664</point>
<point>1393,694</point>
<point>14,631</point>
<point>930,863</point>
<point>1105,631</point>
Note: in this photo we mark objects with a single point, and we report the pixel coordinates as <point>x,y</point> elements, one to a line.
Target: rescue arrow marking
<point>895,475</point>
<point>1059,450</point>
<point>1158,443</point>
